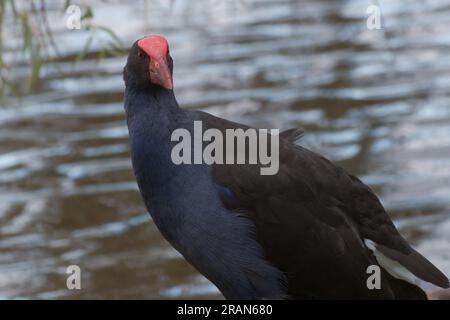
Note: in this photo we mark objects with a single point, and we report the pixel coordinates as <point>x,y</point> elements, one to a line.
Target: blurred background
<point>375,101</point>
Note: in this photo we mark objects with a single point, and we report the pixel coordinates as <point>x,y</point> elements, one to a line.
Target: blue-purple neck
<point>156,100</point>
<point>151,116</point>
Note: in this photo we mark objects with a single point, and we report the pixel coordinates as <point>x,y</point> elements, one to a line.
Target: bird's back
<point>312,219</point>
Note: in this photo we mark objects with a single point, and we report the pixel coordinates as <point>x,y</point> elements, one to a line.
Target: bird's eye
<point>140,54</point>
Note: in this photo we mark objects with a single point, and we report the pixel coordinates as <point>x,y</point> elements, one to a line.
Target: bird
<point>310,231</point>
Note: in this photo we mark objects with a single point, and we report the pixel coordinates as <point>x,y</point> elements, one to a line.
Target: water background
<point>375,101</point>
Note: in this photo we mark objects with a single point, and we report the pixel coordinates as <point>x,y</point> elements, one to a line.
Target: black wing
<point>312,219</point>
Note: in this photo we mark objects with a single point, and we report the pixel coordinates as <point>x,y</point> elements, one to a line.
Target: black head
<point>149,64</point>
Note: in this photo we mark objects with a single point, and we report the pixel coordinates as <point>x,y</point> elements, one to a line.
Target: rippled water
<point>377,102</point>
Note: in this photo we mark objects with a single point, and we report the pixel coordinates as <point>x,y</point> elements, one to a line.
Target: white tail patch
<point>394,268</point>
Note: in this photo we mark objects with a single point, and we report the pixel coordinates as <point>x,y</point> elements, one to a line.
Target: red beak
<point>157,48</point>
